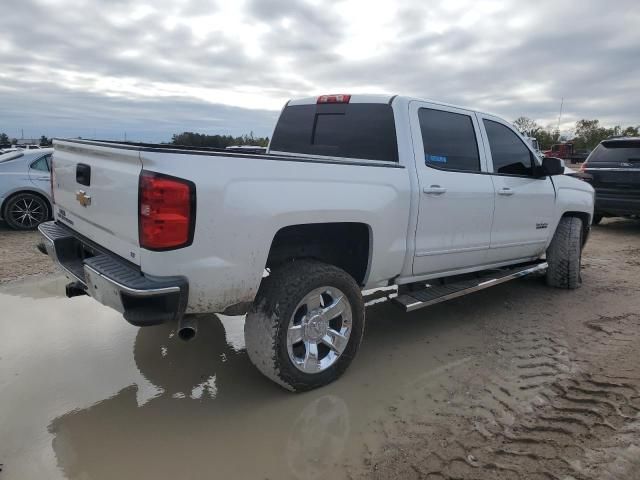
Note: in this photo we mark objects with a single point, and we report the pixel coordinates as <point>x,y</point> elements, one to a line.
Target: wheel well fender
<point>346,245</point>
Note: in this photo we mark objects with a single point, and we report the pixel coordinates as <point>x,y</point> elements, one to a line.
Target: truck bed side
<point>243,201</point>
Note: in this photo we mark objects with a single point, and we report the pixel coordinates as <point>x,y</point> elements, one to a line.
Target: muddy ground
<point>519,381</point>
<point>552,391</point>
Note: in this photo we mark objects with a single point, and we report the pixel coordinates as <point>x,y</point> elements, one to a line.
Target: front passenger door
<point>524,203</point>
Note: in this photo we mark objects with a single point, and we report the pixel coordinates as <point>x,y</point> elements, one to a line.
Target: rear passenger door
<point>456,194</point>
<point>524,203</point>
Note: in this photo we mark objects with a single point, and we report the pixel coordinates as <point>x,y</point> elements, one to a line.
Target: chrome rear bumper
<point>112,281</point>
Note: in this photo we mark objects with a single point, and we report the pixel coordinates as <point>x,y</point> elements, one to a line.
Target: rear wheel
<point>564,254</point>
<point>306,325</point>
<point>25,211</point>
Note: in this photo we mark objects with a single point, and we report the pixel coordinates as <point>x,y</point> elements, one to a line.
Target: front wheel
<point>306,325</point>
<point>564,254</point>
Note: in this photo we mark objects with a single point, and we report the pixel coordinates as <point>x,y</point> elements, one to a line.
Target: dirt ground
<point>19,256</point>
<point>553,394</point>
<point>519,381</point>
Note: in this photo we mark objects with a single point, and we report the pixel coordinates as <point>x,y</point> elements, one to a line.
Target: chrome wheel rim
<point>319,330</point>
<point>28,212</point>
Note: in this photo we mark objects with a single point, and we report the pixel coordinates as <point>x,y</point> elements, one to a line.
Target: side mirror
<point>552,166</point>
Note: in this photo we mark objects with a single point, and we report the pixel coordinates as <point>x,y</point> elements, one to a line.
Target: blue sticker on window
<point>435,158</point>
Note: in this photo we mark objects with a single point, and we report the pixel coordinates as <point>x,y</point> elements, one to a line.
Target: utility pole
<point>560,116</point>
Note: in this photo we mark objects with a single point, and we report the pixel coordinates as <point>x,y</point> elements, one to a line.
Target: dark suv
<point>613,169</point>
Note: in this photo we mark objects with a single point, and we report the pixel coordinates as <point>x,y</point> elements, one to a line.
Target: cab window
<point>449,141</point>
<point>509,153</point>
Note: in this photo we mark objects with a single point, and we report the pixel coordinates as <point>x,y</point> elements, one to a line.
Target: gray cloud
<point>68,67</point>
<point>90,115</point>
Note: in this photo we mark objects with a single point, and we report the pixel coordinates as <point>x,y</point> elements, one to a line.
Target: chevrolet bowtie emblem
<point>83,198</point>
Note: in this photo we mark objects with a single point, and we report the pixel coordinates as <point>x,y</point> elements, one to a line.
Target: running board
<point>433,294</point>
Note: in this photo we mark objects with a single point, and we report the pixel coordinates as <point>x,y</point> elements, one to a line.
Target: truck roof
<point>379,98</point>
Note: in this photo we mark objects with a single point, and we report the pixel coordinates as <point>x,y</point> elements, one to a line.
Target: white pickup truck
<point>355,192</point>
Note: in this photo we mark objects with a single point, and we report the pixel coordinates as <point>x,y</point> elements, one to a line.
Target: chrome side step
<point>433,294</point>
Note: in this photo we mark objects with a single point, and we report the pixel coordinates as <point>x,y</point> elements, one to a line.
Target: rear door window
<point>356,130</point>
<point>449,140</point>
<point>509,153</point>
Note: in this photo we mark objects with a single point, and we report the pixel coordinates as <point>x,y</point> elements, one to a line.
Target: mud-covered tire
<point>267,323</point>
<point>597,218</point>
<point>564,254</point>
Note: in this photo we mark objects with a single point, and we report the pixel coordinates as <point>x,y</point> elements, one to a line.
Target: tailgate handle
<point>83,174</point>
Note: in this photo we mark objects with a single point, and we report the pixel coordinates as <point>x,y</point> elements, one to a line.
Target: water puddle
<point>87,396</point>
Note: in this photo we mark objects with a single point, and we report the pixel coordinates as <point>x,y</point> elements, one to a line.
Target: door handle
<point>506,191</point>
<point>434,190</point>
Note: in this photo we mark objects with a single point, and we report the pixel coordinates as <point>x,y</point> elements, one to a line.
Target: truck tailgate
<point>96,194</point>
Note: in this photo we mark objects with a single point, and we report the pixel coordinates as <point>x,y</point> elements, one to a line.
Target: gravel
<point>20,257</point>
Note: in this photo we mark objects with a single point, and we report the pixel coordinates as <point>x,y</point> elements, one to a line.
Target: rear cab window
<point>363,131</point>
<point>616,153</point>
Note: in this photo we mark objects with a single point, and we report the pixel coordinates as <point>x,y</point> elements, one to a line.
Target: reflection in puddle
<point>318,437</point>
<point>191,421</point>
<point>88,396</point>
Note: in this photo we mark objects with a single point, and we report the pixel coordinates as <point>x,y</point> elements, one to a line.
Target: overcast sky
<point>100,68</point>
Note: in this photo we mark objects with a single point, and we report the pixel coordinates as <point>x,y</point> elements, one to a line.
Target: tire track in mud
<point>549,405</point>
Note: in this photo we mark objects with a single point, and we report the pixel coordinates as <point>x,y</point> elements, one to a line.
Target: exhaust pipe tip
<point>187,333</point>
<point>187,327</point>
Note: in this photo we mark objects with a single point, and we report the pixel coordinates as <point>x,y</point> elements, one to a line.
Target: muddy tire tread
<point>279,293</point>
<point>563,254</point>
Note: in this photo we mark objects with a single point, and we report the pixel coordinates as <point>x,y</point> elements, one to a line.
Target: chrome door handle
<point>434,190</point>
<point>506,191</point>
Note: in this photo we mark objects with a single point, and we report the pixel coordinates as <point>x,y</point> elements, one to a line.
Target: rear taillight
<point>340,98</point>
<point>166,211</point>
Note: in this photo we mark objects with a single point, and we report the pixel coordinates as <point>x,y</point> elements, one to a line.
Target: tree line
<point>586,135</point>
<point>192,139</point>
<point>6,141</point>
<point>185,138</point>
